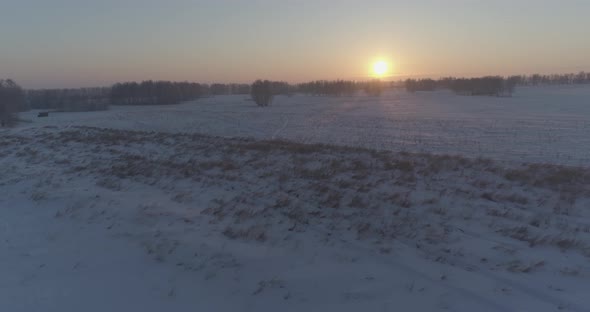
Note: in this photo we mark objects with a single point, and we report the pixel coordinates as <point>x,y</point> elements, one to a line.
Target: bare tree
<point>261,92</point>
<point>12,100</point>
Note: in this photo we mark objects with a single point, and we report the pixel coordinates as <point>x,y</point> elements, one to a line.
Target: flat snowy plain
<point>548,124</point>
<point>204,206</point>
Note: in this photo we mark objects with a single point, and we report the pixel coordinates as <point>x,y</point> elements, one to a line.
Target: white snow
<point>93,219</point>
<point>537,124</point>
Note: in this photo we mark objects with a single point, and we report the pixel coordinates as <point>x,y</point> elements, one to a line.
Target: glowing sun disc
<point>380,68</point>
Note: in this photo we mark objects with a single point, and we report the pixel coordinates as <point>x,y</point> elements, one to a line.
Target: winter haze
<point>294,155</point>
<point>97,43</point>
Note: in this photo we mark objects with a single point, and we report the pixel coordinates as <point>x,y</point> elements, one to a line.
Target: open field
<point>544,124</point>
<point>174,209</point>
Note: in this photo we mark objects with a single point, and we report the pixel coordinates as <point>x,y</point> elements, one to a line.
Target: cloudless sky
<point>75,43</point>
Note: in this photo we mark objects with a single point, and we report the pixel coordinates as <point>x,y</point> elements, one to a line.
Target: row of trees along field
<point>154,92</point>
<point>490,86</point>
<point>226,89</point>
<point>70,100</point>
<point>494,85</point>
<point>167,92</point>
<point>263,91</point>
<point>555,79</point>
<point>341,87</point>
<point>127,93</point>
<point>12,101</point>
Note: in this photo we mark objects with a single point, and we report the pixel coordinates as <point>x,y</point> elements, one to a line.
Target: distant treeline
<point>333,88</point>
<point>491,86</point>
<point>226,89</point>
<point>69,100</point>
<point>12,101</point>
<point>414,85</point>
<point>154,92</point>
<point>494,85</point>
<point>341,87</point>
<point>127,93</point>
<point>168,92</point>
<point>555,79</point>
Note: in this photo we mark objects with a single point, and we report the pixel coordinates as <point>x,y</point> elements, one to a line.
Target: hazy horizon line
<point>387,78</point>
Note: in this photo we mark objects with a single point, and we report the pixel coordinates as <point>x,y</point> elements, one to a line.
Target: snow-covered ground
<point>537,124</point>
<point>93,219</point>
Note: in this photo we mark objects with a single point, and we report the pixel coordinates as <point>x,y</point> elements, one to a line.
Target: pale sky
<point>76,43</point>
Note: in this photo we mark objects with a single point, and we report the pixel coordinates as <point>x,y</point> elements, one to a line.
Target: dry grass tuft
<point>257,233</point>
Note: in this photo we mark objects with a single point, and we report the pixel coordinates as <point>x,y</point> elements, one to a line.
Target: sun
<point>380,68</point>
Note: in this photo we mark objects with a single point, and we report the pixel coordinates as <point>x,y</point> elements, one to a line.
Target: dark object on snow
<point>43,114</point>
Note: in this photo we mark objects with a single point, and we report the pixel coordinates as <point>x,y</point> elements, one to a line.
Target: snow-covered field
<point>538,124</point>
<point>186,218</point>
